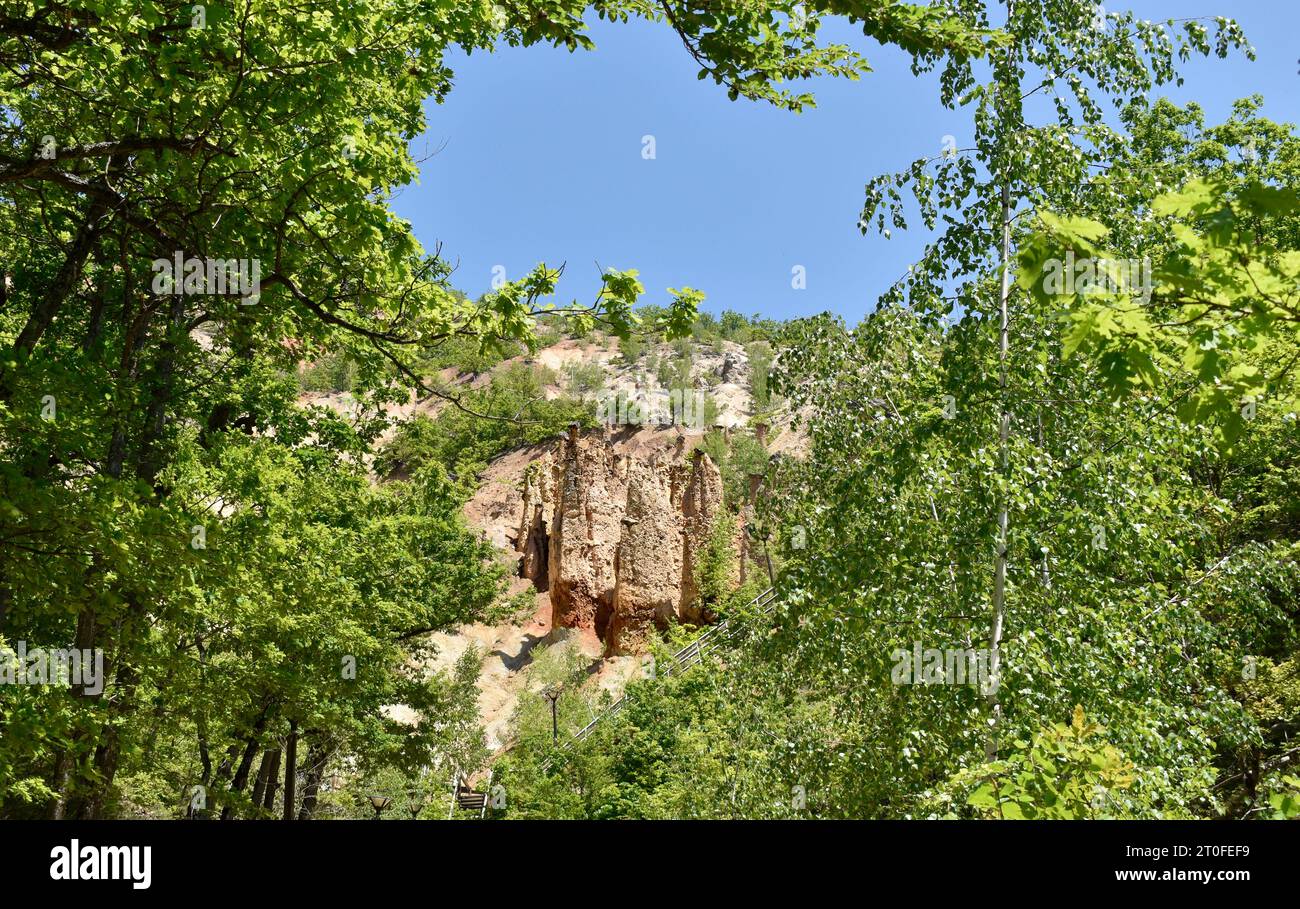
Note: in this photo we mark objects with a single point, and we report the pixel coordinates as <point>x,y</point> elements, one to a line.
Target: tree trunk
<point>149,459</point>
<point>59,289</point>
<point>241,776</point>
<point>85,639</point>
<point>1004,433</point>
<point>317,755</point>
<point>290,770</point>
<point>246,762</point>
<point>272,782</point>
<point>264,772</point>
<point>87,634</point>
<point>148,463</point>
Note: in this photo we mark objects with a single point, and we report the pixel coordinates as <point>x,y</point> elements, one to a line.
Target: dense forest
<point>1031,554</point>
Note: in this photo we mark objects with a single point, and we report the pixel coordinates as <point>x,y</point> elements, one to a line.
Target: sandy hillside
<point>507,651</point>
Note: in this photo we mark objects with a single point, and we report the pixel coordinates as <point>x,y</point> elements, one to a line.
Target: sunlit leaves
<point>1225,306</point>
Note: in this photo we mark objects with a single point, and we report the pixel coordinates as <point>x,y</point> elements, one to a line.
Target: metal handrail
<point>690,655</point>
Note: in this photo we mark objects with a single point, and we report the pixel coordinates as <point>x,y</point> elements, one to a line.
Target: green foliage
<point>300,604</point>
<point>760,367</point>
<point>715,742</point>
<point>584,380</point>
<point>707,330</point>
<point>414,444</point>
<point>737,457</point>
<point>734,327</point>
<point>903,557</point>
<point>717,563</point>
<point>514,411</point>
<point>417,791</point>
<point>467,356</point>
<point>754,49</point>
<point>631,349</point>
<point>675,371</point>
<point>1286,802</point>
<point>1066,773</point>
<point>1225,311</point>
<point>332,372</point>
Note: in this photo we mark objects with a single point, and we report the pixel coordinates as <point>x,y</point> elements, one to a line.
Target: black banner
<point>135,860</point>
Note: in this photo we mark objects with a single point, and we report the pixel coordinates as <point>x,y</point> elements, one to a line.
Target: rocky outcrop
<point>701,508</point>
<point>616,539</point>
<point>730,367</point>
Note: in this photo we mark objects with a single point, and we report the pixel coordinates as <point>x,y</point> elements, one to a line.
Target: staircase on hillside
<point>684,659</point>
<point>466,798</point>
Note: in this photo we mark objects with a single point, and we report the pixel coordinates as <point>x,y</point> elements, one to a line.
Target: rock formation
<point>616,540</point>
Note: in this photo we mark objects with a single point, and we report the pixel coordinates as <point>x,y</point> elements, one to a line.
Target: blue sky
<point>541,161</point>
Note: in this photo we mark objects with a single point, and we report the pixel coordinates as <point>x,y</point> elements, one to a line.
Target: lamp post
<point>415,803</point>
<point>380,803</point>
<point>552,694</point>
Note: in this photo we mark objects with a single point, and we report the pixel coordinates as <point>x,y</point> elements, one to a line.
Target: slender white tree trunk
<point>1004,432</point>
